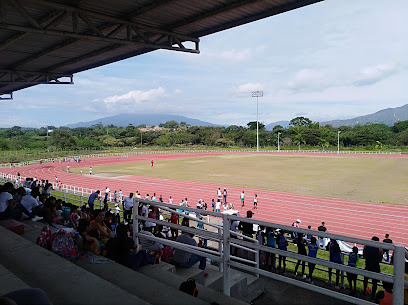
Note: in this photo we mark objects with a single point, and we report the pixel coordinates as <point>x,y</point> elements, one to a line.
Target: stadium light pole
<point>338,141</point>
<point>278,142</point>
<point>257,94</point>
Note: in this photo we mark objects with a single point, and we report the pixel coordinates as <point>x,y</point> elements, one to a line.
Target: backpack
<point>45,238</point>
<point>189,287</point>
<point>63,244</point>
<point>167,255</point>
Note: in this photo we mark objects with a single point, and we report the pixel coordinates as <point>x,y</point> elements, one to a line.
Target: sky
<point>330,60</point>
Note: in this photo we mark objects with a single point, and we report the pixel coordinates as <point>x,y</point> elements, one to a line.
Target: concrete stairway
<point>244,287</point>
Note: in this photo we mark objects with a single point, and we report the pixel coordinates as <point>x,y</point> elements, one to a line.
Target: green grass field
<point>366,179</point>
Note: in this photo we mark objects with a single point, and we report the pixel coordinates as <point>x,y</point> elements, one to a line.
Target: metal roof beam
<point>9,41</point>
<point>211,13</point>
<point>110,19</point>
<point>147,8</point>
<point>128,42</point>
<point>34,78</point>
<point>6,96</point>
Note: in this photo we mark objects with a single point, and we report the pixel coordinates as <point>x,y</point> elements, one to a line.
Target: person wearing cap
<point>147,244</point>
<point>296,225</point>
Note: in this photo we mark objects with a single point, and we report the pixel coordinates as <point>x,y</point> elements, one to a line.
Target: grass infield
<point>364,179</point>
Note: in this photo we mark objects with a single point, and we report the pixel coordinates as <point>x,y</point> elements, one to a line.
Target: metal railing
<point>226,260</point>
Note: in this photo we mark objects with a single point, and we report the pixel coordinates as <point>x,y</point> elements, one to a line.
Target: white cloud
<point>373,74</point>
<point>310,80</point>
<point>249,87</point>
<point>135,97</point>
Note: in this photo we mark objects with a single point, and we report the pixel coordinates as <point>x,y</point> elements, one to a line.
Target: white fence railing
<point>83,156</point>
<point>226,260</point>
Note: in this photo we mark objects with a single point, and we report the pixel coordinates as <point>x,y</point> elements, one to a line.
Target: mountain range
<point>123,120</point>
<point>387,116</point>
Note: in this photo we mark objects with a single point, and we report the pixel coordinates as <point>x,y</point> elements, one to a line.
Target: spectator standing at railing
<point>313,248</point>
<point>270,242</point>
<point>174,218</point>
<point>373,257</point>
<point>128,206</point>
<point>301,245</point>
<point>387,240</point>
<point>352,277</point>
<point>322,240</point>
<point>283,246</point>
<point>335,257</point>
<point>247,229</point>
<point>92,199</point>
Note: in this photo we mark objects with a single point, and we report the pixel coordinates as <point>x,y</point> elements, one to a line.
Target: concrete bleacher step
<point>62,281</point>
<point>174,280</point>
<point>9,281</point>
<point>144,286</point>
<point>244,286</point>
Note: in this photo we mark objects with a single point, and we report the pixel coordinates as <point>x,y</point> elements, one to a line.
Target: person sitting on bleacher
<point>146,244</point>
<point>98,224</point>
<point>29,204</point>
<point>87,242</point>
<point>186,259</point>
<point>74,216</point>
<point>7,204</point>
<point>118,248</point>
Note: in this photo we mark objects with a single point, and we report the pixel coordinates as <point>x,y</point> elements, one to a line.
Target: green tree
<point>171,124</point>
<point>63,139</point>
<point>252,125</point>
<point>324,144</point>
<point>298,139</point>
<point>300,121</point>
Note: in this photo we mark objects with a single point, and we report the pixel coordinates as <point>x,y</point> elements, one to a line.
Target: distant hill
<point>387,116</point>
<point>284,124</point>
<point>123,120</point>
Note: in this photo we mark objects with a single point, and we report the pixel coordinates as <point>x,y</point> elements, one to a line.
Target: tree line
<point>301,133</point>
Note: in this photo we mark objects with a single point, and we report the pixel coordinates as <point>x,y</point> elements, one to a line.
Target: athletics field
<point>347,192</point>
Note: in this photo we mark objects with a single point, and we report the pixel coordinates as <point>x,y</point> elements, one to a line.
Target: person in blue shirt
<point>270,242</point>
<point>335,257</point>
<point>92,199</point>
<point>352,277</point>
<point>282,245</point>
<point>313,248</point>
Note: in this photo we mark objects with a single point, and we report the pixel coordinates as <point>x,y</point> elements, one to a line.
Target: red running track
<point>358,219</point>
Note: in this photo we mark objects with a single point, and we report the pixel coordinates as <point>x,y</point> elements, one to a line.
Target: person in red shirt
<point>152,163</point>
<point>174,218</point>
<point>74,216</point>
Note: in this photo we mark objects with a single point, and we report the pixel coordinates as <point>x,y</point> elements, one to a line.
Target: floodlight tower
<point>257,94</point>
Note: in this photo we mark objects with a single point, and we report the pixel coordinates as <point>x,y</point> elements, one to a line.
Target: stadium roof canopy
<point>46,42</point>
